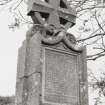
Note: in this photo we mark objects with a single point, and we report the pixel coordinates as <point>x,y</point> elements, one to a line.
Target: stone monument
<point>51,66</point>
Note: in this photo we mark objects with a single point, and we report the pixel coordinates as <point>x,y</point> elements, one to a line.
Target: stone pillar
<point>52,67</point>
<point>29,70</point>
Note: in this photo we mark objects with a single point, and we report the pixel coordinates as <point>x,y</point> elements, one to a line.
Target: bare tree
<point>93,26</point>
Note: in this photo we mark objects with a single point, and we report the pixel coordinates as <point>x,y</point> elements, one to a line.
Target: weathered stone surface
<point>33,54</point>
<point>21,61</point>
<point>60,80</point>
<point>55,12</point>
<point>83,80</point>
<point>19,91</point>
<point>34,89</point>
<point>32,70</point>
<point>20,74</point>
<point>54,75</point>
<point>28,70</point>
<point>51,68</point>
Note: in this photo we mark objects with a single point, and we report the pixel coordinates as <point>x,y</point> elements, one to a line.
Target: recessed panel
<point>60,78</point>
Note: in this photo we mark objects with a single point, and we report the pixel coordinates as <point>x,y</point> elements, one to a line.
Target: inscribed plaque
<point>60,77</point>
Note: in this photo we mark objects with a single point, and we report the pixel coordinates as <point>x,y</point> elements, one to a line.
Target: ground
<point>10,100</point>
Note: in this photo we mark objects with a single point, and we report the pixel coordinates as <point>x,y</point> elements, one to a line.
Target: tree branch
<point>90,37</point>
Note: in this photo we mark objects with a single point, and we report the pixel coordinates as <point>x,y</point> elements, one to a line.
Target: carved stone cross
<point>52,12</point>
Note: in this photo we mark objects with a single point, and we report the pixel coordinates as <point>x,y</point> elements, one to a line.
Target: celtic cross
<point>56,13</point>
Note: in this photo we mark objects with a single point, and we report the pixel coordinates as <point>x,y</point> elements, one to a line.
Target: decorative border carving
<point>62,37</point>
